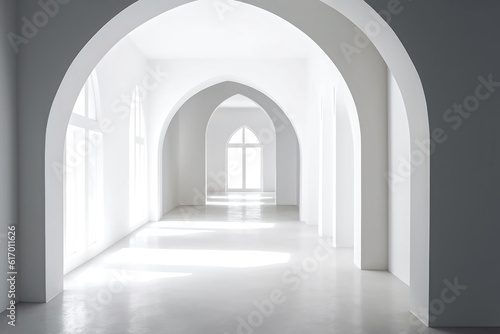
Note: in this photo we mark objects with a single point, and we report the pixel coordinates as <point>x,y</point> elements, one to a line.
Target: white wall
<point>8,174</point>
<point>320,189</point>
<point>118,73</point>
<point>170,171</point>
<point>223,123</point>
<point>348,170</point>
<point>336,142</point>
<point>399,189</point>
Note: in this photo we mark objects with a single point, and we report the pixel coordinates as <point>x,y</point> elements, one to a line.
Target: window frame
<point>85,125</point>
<point>244,146</point>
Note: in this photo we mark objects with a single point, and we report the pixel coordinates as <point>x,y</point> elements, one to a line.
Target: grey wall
<point>287,161</point>
<point>452,43</point>
<point>8,197</point>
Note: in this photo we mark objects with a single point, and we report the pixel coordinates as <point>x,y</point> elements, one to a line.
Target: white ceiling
<point>239,101</point>
<point>201,30</point>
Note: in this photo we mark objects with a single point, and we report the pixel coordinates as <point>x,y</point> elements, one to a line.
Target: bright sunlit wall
<point>83,174</point>
<point>106,196</point>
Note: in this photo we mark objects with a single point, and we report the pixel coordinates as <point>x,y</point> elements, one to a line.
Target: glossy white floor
<point>225,270</point>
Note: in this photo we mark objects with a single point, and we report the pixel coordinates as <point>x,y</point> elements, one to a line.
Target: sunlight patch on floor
<point>197,258</point>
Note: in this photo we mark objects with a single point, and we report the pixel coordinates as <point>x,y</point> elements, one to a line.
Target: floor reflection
<point>239,199</point>
<point>202,269</point>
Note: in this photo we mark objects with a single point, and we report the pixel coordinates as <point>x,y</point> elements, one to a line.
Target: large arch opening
<point>286,179</point>
<point>398,62</point>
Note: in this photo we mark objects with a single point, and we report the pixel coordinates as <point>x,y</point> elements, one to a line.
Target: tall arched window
<point>138,161</point>
<point>244,161</point>
<point>83,171</point>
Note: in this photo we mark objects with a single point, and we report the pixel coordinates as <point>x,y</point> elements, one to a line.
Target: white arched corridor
<point>335,114</point>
